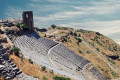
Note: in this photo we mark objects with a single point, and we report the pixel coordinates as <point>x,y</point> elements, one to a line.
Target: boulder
<point>1,32</point>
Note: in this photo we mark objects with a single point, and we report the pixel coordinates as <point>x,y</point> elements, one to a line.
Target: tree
<point>43,68</point>
<point>53,26</point>
<point>16,50</point>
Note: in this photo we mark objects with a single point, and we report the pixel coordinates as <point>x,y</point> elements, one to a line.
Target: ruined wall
<point>28,19</point>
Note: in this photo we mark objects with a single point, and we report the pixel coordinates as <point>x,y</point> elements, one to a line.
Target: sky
<point>97,15</point>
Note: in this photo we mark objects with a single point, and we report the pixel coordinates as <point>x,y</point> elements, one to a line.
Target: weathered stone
<point>41,30</point>
<point>1,32</point>
<point>10,24</point>
<point>3,40</point>
<point>10,32</point>
<point>28,19</point>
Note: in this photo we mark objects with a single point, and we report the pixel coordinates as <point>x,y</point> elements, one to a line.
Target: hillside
<point>27,66</point>
<point>93,46</point>
<point>101,51</point>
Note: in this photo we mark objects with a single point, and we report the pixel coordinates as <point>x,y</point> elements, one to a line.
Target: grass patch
<point>60,78</point>
<point>45,78</point>
<point>4,25</point>
<point>115,75</point>
<point>35,77</point>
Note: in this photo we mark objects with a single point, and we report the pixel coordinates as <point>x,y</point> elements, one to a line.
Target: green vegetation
<point>43,68</point>
<point>79,40</point>
<point>25,27</point>
<point>80,51</point>
<point>63,28</point>
<point>18,25</point>
<point>16,50</point>
<point>100,68</point>
<point>88,51</point>
<point>108,76</point>
<point>98,49</point>
<point>99,43</point>
<point>4,25</point>
<point>60,78</point>
<point>45,78</point>
<point>118,59</point>
<point>30,61</point>
<point>114,74</point>
<point>53,26</point>
<point>51,72</point>
<point>103,53</point>
<point>98,33</point>
<point>35,77</point>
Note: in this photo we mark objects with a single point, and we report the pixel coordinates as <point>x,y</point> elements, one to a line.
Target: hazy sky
<point>96,15</point>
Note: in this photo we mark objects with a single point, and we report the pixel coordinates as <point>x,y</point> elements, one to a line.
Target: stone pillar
<point>28,19</point>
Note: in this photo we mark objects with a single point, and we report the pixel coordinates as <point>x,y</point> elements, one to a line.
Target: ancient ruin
<point>28,19</point>
<point>45,52</point>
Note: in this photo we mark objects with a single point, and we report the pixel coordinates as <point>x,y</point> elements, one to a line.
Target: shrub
<point>60,78</point>
<point>25,27</point>
<point>99,43</point>
<point>30,61</point>
<point>45,78</point>
<point>4,25</point>
<point>79,40</point>
<point>103,53</point>
<point>53,26</point>
<point>35,77</point>
<point>43,68</point>
<point>18,25</point>
<point>114,74</point>
<point>80,51</point>
<point>88,51</point>
<point>118,59</point>
<point>51,72</point>
<point>98,49</point>
<point>108,76</point>
<point>75,34</point>
<point>16,50</point>
<point>98,33</point>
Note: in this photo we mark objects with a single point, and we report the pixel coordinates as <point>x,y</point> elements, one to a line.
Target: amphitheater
<point>56,57</point>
